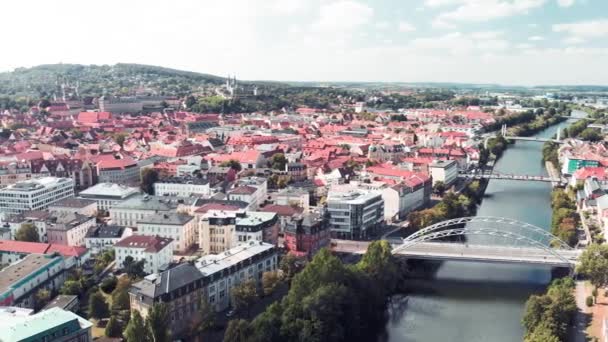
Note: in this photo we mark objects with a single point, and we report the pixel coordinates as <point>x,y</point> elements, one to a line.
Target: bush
<point>108,285</point>
<point>589,301</point>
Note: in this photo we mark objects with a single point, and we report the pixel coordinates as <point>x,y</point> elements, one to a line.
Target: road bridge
<point>520,243</point>
<point>509,176</point>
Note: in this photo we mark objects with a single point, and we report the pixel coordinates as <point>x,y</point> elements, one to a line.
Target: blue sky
<point>523,42</point>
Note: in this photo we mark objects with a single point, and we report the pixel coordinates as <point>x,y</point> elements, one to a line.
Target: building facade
<point>181,228</point>
<point>354,213</point>
<point>36,194</point>
<point>156,252</point>
<point>182,187</point>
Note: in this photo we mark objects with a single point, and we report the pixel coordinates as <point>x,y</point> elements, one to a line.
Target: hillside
<point>43,80</point>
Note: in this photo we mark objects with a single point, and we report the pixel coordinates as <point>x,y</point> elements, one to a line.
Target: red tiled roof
<point>152,244</point>
<point>23,247</point>
<point>216,206</point>
<point>64,250</point>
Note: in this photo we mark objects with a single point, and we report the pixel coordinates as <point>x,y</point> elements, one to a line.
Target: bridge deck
<point>469,252</point>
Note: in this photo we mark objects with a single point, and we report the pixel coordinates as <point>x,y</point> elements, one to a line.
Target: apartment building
<point>182,187</point>
<point>69,229</point>
<point>35,194</point>
<point>52,325</point>
<point>108,194</point>
<point>156,251</point>
<point>354,213</point>
<point>128,212</point>
<point>181,228</point>
<point>101,237</point>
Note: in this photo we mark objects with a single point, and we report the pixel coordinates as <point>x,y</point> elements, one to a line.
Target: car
<point>230,313</point>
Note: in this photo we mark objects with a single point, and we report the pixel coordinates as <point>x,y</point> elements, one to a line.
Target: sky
<point>514,42</point>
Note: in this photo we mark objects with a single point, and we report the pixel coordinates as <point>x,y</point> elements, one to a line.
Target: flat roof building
<point>35,194</point>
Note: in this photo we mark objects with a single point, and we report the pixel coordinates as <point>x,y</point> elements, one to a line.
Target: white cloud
<point>536,38</point>
<point>565,3</point>
<point>382,25</point>
<point>343,16</point>
<point>583,31</point>
<point>481,10</point>
<point>405,26</point>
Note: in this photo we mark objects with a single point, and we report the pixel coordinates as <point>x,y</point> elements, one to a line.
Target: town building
<point>181,228</point>
<point>20,281</point>
<point>135,208</point>
<point>305,235</point>
<point>73,205</point>
<point>157,252</point>
<point>11,251</point>
<point>257,226</point>
<point>354,213</point>
<point>445,171</point>
<point>252,190</point>
<point>52,325</point>
<point>181,288</point>
<point>108,194</point>
<point>69,229</point>
<point>35,194</point>
<point>216,230</point>
<point>100,238</point>
<point>117,168</point>
<point>571,163</point>
<point>226,270</point>
<point>294,197</point>
<point>182,187</point>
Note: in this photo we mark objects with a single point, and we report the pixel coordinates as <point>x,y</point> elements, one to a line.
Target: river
<point>477,302</point>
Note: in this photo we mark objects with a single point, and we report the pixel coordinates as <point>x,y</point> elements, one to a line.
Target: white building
<point>252,190</point>
<point>445,171</point>
<point>234,266</point>
<point>156,251</point>
<point>181,228</point>
<point>73,205</point>
<point>69,229</point>
<point>101,238</point>
<point>35,194</point>
<point>128,212</point>
<point>182,187</point>
<point>108,194</point>
<point>353,213</point>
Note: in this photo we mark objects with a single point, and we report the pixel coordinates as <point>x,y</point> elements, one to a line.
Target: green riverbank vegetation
<point>547,317</point>
<point>565,219</point>
<point>328,301</point>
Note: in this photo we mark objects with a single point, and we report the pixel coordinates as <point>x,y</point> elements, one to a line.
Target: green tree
<point>120,138</point>
<point>270,280</point>
<point>244,295</point>
<point>27,232</point>
<point>289,266</point>
<point>233,164</point>
<point>207,316</point>
<point>157,323</point>
<point>379,263</point>
<point>593,264</point>
<point>237,331</point>
<point>71,288</point>
<point>136,330</point>
<point>134,269</point>
<point>266,327</point>
<point>439,188</point>
<point>108,285</point>
<point>149,176</point>
<point>98,308</point>
<point>113,329</point>
<point>542,333</point>
<point>120,301</point>
<point>41,298</point>
<point>278,161</point>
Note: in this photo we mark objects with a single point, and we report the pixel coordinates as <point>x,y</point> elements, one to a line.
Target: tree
<point>108,285</point>
<point>41,298</point>
<point>98,308</point>
<point>120,301</point>
<point>71,288</point>
<point>207,313</point>
<point>278,161</point>
<point>133,268</point>
<point>244,295</point>
<point>157,323</point>
<point>542,333</point>
<point>120,138</point>
<point>379,263</point>
<point>593,264</point>
<point>589,301</point>
<point>27,232</point>
<point>237,331</point>
<point>270,280</point>
<point>149,176</point>
<point>113,328</point>
<point>288,266</point>
<point>136,330</point>
<point>233,164</point>
<point>439,188</point>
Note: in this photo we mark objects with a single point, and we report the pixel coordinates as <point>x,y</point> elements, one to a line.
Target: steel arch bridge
<point>526,243</point>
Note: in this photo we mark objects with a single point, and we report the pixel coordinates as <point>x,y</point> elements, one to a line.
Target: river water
<point>478,302</point>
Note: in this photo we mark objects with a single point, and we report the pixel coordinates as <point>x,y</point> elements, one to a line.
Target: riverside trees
<point>330,301</point>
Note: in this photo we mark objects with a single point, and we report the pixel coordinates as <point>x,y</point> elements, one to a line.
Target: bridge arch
<point>523,233</point>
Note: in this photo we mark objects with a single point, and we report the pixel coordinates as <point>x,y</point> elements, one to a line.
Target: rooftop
<point>151,244</point>
<point>111,231</point>
<point>109,190</point>
<point>23,268</point>
<point>72,202</point>
<point>36,184</point>
<point>167,219</point>
<point>15,326</point>
<point>213,263</point>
